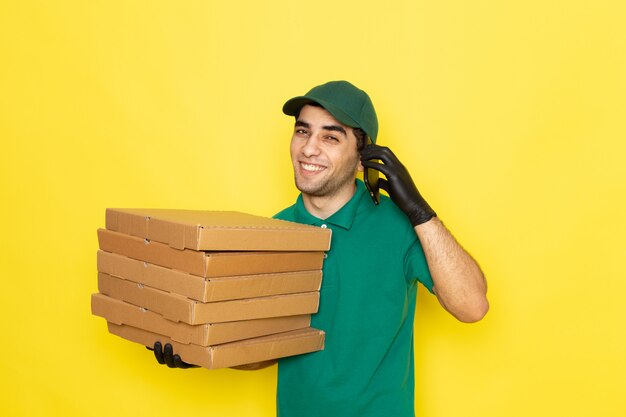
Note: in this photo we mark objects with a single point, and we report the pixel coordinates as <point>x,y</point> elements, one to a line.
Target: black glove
<point>165,356</point>
<point>399,184</point>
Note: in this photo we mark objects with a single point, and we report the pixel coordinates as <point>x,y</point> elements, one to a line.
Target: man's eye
<point>332,138</point>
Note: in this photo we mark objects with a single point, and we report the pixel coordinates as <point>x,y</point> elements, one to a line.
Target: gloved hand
<point>165,356</point>
<point>399,184</point>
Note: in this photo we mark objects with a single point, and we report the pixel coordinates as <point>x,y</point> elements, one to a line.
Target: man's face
<point>323,152</point>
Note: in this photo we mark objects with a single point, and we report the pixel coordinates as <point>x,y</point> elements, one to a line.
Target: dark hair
<point>361,136</point>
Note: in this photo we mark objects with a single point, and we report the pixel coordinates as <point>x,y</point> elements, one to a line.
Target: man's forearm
<point>459,283</point>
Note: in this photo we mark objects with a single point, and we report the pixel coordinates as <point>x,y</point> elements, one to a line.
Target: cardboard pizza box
<point>243,352</point>
<point>120,312</point>
<point>208,289</point>
<point>217,230</point>
<point>179,308</point>
<point>208,264</point>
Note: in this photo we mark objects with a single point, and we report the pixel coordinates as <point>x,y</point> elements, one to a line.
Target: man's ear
<point>360,167</point>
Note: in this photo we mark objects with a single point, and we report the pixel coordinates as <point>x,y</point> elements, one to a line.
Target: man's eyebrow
<point>335,128</point>
<point>332,128</point>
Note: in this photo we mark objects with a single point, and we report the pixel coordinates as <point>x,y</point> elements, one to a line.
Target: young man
<point>378,255</point>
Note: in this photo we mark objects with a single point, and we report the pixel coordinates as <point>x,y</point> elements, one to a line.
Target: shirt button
<point>323,226</point>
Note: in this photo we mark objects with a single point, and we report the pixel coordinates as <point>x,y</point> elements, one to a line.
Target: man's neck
<point>325,206</point>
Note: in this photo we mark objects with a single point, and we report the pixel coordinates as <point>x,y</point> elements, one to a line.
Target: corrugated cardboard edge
<point>120,312</point>
<point>254,350</point>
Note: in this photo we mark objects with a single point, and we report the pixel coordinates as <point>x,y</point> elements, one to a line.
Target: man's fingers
<point>383,184</point>
<point>178,363</point>
<point>378,167</point>
<point>158,353</point>
<point>383,153</point>
<point>168,355</point>
<point>165,356</point>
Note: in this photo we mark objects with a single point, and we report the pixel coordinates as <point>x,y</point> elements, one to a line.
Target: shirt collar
<point>342,217</point>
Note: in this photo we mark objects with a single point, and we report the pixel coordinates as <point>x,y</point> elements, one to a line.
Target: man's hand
<point>399,184</point>
<point>165,356</point>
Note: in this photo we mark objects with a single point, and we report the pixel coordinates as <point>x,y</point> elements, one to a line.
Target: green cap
<point>348,104</point>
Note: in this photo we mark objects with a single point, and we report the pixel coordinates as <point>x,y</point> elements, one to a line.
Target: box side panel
<point>231,354</point>
<point>123,221</point>
<point>269,347</point>
<point>101,308</point>
<point>166,279</point>
<point>156,253</point>
<point>178,308</point>
<point>249,286</point>
<point>175,234</point>
<point>213,264</point>
<point>120,312</point>
<point>256,308</point>
<point>172,306</point>
<point>247,263</point>
<point>264,239</point>
<point>201,289</point>
<point>120,266</point>
<point>238,330</point>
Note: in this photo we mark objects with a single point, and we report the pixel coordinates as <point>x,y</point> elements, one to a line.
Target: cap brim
<point>293,106</point>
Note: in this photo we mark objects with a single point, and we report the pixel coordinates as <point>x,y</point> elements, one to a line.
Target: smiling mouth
<point>311,167</point>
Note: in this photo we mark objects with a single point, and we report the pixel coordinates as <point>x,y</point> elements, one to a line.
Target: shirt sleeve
<point>415,265</point>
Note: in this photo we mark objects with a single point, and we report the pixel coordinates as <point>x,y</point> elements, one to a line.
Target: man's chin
<point>315,190</point>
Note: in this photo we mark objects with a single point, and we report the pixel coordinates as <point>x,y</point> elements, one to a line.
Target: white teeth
<point>311,167</point>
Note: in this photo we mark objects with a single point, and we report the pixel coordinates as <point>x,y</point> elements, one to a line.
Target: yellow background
<point>510,116</point>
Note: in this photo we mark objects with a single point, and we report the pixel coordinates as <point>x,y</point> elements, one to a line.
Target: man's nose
<point>311,147</point>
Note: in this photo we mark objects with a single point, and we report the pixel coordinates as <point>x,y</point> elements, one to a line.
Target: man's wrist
<point>421,213</point>
<point>421,218</point>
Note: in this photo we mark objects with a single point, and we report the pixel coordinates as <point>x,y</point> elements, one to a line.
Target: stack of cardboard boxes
<point>224,288</point>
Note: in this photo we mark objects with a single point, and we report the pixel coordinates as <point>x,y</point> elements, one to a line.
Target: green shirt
<point>367,305</point>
